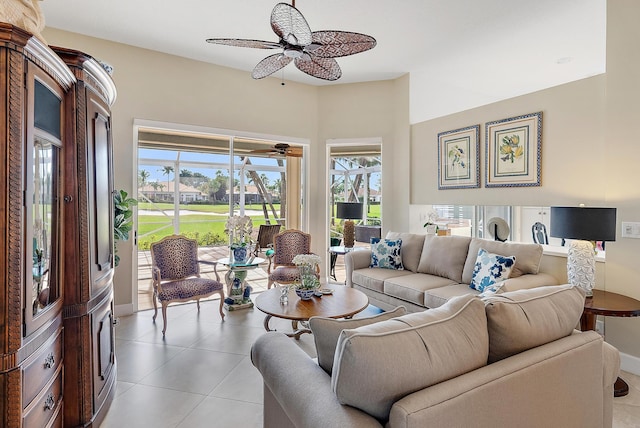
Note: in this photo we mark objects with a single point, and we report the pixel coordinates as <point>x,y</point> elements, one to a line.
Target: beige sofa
<point>510,360</point>
<point>437,268</point>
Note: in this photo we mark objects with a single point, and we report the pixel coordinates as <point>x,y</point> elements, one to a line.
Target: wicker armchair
<point>176,275</point>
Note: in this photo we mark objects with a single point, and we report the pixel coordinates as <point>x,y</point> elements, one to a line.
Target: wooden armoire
<point>57,345</point>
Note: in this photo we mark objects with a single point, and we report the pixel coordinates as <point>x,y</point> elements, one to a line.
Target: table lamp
<point>582,225</point>
<point>349,211</point>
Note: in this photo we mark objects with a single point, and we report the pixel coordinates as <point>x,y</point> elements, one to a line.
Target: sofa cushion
<point>523,319</point>
<point>371,373</point>
<point>326,332</point>
<point>490,268</point>
<point>411,288</point>
<point>436,297</point>
<point>373,278</point>
<point>528,256</point>
<point>411,248</point>
<point>445,256</point>
<point>385,253</point>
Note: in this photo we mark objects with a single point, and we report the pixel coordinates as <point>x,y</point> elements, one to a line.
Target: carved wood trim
<point>15,198</point>
<point>83,194</point>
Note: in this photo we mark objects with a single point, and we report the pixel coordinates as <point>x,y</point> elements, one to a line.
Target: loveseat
<point>437,268</point>
<point>507,360</point>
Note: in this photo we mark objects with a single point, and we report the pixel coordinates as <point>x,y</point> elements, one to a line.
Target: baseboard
<point>630,363</point>
<point>123,310</point>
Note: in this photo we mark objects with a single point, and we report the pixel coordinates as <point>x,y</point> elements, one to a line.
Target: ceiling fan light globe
<point>293,53</point>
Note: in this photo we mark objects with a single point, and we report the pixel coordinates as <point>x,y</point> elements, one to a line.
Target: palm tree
<point>143,175</point>
<point>166,170</point>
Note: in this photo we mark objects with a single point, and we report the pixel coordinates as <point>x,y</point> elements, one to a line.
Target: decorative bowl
<point>305,294</point>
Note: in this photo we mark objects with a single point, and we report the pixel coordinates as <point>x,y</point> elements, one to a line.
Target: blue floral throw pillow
<point>386,254</point>
<point>489,269</point>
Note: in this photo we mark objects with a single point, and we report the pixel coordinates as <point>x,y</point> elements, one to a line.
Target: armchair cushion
<point>437,344</point>
<point>187,288</point>
<point>523,319</point>
<point>327,330</point>
<point>285,274</point>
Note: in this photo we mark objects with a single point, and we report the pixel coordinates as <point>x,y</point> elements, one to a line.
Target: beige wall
<point>166,88</point>
<point>572,149</point>
<point>622,171</point>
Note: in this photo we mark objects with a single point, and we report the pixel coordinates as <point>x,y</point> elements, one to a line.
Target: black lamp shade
<point>349,210</point>
<point>584,223</point>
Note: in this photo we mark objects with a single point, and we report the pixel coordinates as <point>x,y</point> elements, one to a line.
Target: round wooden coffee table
<point>343,303</point>
<point>609,304</point>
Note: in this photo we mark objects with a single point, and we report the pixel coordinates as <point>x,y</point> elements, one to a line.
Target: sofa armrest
<point>356,260</point>
<point>611,360</point>
<point>529,281</point>
<point>300,387</point>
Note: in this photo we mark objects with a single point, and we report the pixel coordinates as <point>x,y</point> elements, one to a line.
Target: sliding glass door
<point>190,183</point>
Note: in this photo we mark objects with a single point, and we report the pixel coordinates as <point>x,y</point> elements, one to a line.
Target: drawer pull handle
<point>49,361</point>
<point>50,402</point>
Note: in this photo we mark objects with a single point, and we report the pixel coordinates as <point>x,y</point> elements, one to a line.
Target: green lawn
<point>208,228</point>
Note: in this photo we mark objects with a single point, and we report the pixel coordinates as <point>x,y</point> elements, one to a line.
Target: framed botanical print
<point>513,151</point>
<point>459,158</point>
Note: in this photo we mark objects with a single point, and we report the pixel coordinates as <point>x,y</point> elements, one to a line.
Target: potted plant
<point>430,225</point>
<point>239,229</point>
<point>308,267</point>
<point>122,218</point>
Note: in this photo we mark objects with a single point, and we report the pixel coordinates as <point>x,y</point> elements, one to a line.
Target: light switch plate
<point>630,229</point>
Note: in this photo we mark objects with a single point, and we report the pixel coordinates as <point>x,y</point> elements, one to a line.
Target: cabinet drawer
<point>46,405</point>
<point>41,368</point>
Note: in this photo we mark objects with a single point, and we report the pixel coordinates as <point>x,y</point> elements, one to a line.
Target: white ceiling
<point>477,50</point>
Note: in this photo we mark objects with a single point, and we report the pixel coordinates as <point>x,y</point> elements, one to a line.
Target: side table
<point>236,281</point>
<point>609,304</point>
<point>340,250</point>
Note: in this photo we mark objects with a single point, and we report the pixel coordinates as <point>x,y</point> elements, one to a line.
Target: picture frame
<point>513,151</point>
<point>459,158</point>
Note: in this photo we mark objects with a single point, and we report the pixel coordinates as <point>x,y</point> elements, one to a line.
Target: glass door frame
<point>343,143</point>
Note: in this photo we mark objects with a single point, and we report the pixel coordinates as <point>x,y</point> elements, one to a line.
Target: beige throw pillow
<point>327,330</point>
<point>378,364</point>
<point>523,319</point>
<point>445,256</point>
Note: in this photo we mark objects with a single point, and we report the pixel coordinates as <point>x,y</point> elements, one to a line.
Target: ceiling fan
<point>313,52</point>
<point>281,149</point>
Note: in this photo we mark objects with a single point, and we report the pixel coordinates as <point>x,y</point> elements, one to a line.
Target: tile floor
<point>201,374</point>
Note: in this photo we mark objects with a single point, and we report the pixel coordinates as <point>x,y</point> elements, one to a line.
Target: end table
<point>609,304</point>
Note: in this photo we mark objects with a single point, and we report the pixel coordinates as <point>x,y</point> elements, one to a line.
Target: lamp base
<point>581,265</point>
<point>349,233</point>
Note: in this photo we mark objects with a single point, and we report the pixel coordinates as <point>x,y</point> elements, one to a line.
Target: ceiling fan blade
<point>295,152</point>
<point>270,65</point>
<point>246,43</point>
<point>289,24</point>
<point>322,68</point>
<point>335,44</point>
